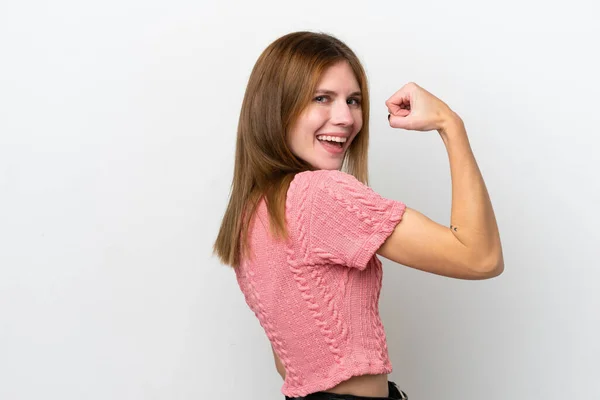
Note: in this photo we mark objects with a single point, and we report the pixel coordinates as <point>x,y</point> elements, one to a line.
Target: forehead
<point>338,77</point>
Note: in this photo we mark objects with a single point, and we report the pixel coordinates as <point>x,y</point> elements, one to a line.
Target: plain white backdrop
<point>117,137</point>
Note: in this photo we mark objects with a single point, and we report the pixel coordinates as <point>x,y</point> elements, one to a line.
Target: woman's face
<point>325,129</point>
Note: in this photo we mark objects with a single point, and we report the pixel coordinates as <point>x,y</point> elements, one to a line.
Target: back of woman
<point>317,293</point>
<point>303,229</point>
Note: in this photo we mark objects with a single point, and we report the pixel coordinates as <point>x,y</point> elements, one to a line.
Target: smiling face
<point>327,126</point>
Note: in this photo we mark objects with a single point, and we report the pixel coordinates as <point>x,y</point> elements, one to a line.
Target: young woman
<point>303,230</point>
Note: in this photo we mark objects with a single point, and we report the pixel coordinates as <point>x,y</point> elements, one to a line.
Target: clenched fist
<point>414,108</point>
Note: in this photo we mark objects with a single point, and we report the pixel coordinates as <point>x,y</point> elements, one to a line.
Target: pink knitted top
<point>316,295</point>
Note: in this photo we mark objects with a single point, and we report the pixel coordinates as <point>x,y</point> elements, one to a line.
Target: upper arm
<point>335,219</point>
<point>421,243</point>
<point>338,220</point>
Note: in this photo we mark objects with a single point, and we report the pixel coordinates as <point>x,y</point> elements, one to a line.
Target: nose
<point>341,114</point>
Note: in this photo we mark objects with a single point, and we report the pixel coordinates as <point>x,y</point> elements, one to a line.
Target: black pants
<point>395,393</point>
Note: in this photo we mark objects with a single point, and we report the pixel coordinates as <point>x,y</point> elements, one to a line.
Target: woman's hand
<point>414,108</point>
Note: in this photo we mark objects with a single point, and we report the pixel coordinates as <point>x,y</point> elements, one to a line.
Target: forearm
<point>472,219</point>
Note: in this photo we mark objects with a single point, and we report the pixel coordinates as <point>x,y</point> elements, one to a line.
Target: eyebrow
<point>332,93</point>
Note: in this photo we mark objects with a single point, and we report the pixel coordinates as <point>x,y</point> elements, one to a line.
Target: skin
<point>335,111</point>
<point>471,249</point>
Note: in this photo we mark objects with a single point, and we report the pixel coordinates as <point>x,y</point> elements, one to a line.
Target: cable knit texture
<point>316,295</point>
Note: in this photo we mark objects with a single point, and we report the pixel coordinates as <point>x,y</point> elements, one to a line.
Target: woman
<point>303,236</point>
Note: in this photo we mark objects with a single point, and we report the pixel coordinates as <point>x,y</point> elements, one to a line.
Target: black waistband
<point>394,394</point>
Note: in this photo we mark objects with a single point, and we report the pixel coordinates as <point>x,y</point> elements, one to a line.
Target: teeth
<point>332,138</point>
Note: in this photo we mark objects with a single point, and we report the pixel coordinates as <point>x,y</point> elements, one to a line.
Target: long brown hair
<point>281,85</point>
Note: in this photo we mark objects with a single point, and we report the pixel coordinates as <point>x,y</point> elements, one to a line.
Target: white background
<point>117,136</point>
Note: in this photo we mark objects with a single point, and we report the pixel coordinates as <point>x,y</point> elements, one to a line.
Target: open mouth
<point>332,142</point>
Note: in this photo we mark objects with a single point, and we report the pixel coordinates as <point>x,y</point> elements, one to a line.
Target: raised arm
<point>470,247</point>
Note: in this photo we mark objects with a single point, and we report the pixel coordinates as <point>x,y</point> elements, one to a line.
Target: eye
<point>354,101</point>
<point>320,99</point>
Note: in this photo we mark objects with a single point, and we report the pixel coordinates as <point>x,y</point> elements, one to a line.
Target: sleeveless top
<point>316,294</point>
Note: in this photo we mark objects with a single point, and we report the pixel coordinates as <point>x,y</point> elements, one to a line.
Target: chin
<point>328,165</point>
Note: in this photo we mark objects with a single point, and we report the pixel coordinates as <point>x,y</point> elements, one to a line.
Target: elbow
<point>494,270</point>
<point>492,265</point>
<point>485,266</point>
